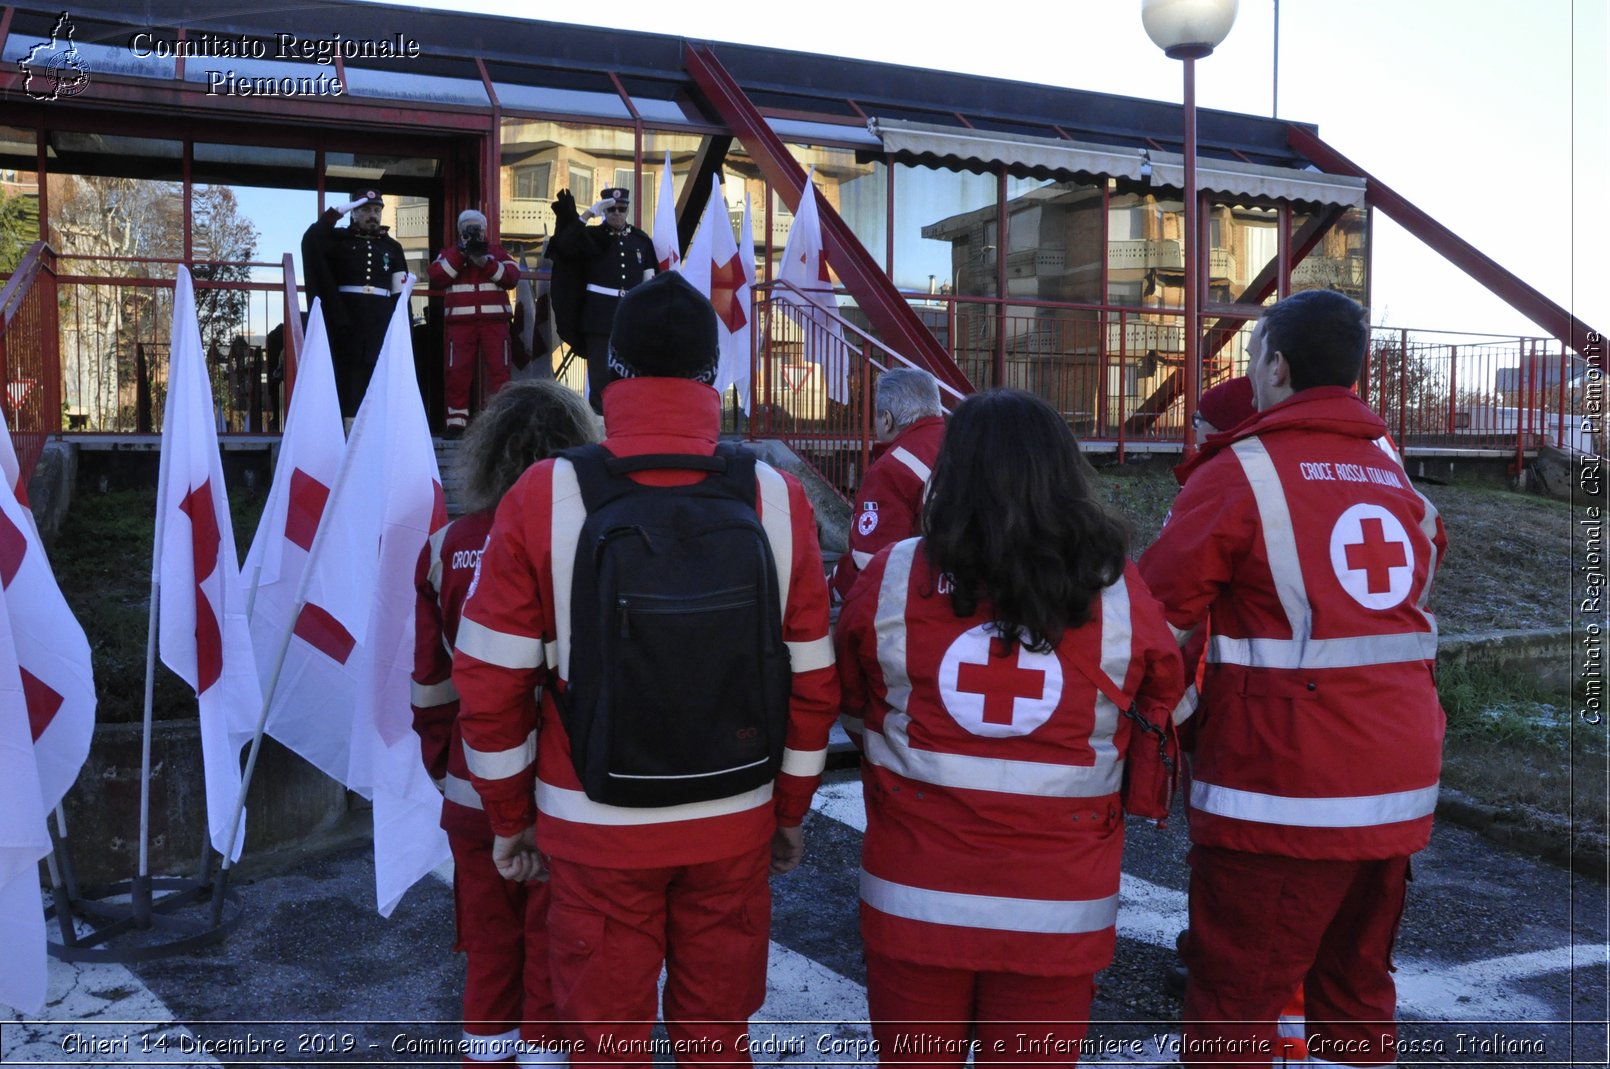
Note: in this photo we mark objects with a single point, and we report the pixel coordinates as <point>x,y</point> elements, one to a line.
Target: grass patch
<point>1516,744</point>
<point>102,560</point>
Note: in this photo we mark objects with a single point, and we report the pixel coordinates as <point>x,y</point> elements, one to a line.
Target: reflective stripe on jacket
<point>994,831</point>
<point>1319,731</point>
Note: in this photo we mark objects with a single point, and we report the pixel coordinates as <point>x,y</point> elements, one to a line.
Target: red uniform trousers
<point>611,929</point>
<point>1264,925</point>
<point>925,1015</point>
<point>507,994</point>
<point>483,339</point>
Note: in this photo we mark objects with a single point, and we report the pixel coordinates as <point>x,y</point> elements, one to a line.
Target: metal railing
<point>1113,373</point>
<point>116,321</point>
<point>1448,390</point>
<point>87,352</point>
<point>29,364</point>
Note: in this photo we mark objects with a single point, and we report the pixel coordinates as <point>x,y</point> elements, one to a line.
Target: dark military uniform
<point>351,273</point>
<point>614,262</point>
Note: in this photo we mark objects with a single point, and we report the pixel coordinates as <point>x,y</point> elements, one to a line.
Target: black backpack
<point>679,678</point>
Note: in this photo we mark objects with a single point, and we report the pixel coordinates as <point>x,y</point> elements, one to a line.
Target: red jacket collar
<point>655,415</point>
<point>911,430</point>
<point>1325,409</point>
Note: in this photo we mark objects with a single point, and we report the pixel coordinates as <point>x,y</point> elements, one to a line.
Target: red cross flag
<point>203,635</point>
<point>667,245</point>
<point>314,679</point>
<point>804,268</point>
<point>23,842</point>
<point>717,270</point>
<point>10,469</point>
<point>387,502</point>
<point>47,714</point>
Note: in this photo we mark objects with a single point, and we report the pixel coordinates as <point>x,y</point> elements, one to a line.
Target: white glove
<point>602,206</point>
<point>351,206</point>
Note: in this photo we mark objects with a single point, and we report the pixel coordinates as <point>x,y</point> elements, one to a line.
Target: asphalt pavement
<point>1501,961</point>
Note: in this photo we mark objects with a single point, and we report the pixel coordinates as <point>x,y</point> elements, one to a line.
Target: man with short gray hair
<point>910,424</point>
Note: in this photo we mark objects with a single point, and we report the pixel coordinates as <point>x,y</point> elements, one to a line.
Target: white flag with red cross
<point>388,502</point>
<point>47,715</point>
<point>23,838</point>
<point>810,295</point>
<point>203,634</point>
<point>667,246</point>
<point>717,270</point>
<point>314,679</point>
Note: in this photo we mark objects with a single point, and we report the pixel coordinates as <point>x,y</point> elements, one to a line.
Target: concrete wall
<point>289,801</point>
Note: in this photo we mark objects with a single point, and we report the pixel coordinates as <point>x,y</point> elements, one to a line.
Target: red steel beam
<point>1498,281</point>
<point>887,310</point>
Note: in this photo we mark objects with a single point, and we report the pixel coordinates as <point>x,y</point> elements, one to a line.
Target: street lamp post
<point>1188,30</point>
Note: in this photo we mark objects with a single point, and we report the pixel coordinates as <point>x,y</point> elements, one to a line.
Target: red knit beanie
<point>1228,403</point>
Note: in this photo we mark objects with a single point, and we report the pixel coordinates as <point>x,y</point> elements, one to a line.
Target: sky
<point>1490,115</point>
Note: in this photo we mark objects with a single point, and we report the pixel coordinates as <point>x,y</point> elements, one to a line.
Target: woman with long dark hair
<point>501,923</point>
<point>992,663</point>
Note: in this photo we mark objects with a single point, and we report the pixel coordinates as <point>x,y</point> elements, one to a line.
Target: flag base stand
<point>147,925</point>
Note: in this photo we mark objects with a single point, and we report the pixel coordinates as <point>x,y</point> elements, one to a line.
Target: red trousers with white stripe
<point>1263,926</point>
<point>926,1015</point>
<point>612,928</point>
<point>502,930</point>
<point>484,340</point>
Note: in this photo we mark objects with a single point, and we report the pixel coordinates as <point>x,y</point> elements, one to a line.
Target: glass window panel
<point>1340,261</point>
<point>513,96</point>
<point>552,156</point>
<point>660,111</point>
<point>409,85</point>
<point>530,181</point>
<point>581,183</point>
<point>1053,239</point>
<point>945,226</point>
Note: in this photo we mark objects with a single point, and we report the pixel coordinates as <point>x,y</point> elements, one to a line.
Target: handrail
<point>946,391</point>
<point>30,366</point>
<point>22,278</point>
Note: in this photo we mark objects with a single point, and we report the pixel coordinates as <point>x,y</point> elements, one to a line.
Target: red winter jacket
<point>1302,541</point>
<point>994,829</point>
<point>475,292</point>
<point>516,631</point>
<point>890,497</point>
<point>442,580</point>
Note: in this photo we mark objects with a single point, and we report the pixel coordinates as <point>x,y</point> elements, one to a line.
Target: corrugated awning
<point>1044,157</point>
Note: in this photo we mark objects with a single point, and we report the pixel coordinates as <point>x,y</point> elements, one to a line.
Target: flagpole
<point>140,888</point>
<point>299,603</point>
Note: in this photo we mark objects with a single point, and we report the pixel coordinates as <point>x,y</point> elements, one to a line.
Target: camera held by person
<point>472,240</point>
